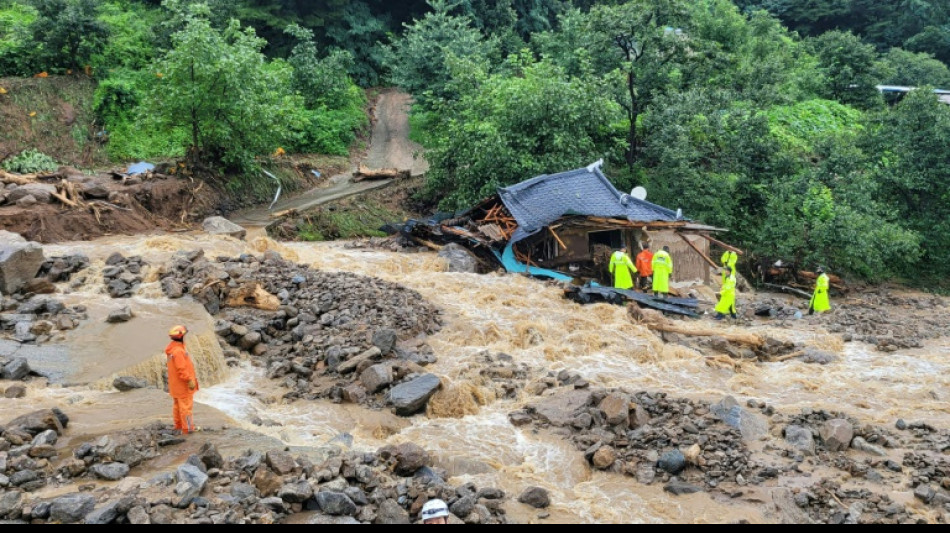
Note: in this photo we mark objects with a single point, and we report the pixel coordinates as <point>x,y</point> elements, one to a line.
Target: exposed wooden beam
<point>721,244</point>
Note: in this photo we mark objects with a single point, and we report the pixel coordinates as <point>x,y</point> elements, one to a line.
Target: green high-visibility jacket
<point>623,269</point>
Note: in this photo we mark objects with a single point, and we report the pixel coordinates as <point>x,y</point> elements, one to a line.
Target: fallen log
<point>788,290</point>
<point>656,322</point>
<point>365,173</point>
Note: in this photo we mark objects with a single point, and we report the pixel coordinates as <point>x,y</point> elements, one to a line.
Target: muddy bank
<point>142,208</point>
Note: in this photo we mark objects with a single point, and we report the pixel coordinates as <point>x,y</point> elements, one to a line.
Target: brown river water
<point>490,314</point>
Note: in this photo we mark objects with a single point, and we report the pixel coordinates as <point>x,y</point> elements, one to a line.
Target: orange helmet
<point>178,332</point>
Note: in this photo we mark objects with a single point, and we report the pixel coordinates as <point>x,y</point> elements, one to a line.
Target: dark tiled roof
<point>539,202</point>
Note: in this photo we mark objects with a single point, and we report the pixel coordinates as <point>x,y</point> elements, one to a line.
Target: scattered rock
<point>411,397</point>
<point>72,508</point>
<point>672,462</point>
<point>679,488</point>
<point>536,497</point>
<point>732,414</point>
<point>837,434</point>
<point>459,259</point>
<point>15,392</point>
<point>335,504</point>
<point>120,315</point>
<point>862,445</point>
<point>20,261</point>
<point>15,370</point>
<point>223,226</point>
<point>126,383</point>
<point>604,458</point>
<point>801,438</point>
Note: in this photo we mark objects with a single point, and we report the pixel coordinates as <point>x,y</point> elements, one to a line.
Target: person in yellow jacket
<point>821,301</point>
<point>729,261</point>
<point>621,266</point>
<point>727,296</point>
<point>662,271</point>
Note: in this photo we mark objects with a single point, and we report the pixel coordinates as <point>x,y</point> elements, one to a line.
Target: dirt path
<point>390,147</point>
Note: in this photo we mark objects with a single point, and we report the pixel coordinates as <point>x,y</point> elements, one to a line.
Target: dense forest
<point>757,115</point>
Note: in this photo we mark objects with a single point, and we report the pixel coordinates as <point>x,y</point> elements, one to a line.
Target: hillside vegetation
<point>759,116</point>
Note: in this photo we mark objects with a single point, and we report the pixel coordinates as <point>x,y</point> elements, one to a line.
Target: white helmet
<point>434,509</point>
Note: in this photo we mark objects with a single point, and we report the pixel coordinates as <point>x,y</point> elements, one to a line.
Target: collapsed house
<point>566,226</point>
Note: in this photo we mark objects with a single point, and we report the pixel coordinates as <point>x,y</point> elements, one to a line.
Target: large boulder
<point>391,513</point>
<point>335,504</point>
<point>127,383</point>
<point>616,408</point>
<point>191,482</point>
<point>410,458</point>
<point>536,497</point>
<point>16,369</point>
<point>732,414</point>
<point>411,397</point>
<point>72,508</point>
<point>459,259</point>
<point>20,261</point>
<point>110,471</point>
<point>223,226</point>
<point>42,192</point>
<point>837,434</point>
<point>801,438</point>
<point>39,421</point>
<point>377,377</point>
<point>562,409</point>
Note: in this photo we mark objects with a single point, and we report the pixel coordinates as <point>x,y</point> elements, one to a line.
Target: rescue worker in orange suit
<point>645,267</point>
<point>182,381</point>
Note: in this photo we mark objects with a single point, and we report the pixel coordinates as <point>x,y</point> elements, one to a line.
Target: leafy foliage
<point>66,34</point>
<point>218,84</point>
<point>29,162</point>
<point>510,126</point>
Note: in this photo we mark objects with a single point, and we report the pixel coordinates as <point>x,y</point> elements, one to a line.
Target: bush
<point>30,162</point>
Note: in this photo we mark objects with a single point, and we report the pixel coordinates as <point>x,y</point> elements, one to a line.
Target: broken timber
<point>679,306</point>
<point>365,173</point>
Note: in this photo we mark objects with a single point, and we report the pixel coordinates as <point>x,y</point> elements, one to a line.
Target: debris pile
<point>62,269</point>
<point>123,275</point>
<point>682,443</point>
<point>323,334</point>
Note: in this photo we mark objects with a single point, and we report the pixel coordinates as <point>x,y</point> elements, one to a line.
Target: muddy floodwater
<point>473,440</point>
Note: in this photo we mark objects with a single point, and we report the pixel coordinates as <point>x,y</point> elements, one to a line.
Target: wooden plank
<point>698,251</point>
<point>492,231</point>
<point>721,244</point>
<point>558,239</point>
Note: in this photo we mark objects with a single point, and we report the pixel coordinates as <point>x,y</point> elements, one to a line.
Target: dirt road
<point>390,147</point>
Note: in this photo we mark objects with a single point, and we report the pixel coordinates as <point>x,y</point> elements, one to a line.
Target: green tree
<point>218,85</point>
<point>848,67</point>
<point>509,128</point>
<point>420,59</point>
<point>910,144</point>
<point>915,69</point>
<point>66,34</point>
<point>643,43</point>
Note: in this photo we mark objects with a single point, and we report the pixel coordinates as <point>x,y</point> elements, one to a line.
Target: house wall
<point>688,266</point>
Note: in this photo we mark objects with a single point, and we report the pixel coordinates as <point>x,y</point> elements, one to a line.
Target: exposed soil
<point>159,205</point>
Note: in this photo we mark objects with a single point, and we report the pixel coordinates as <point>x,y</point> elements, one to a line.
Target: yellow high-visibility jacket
<point>662,271</point>
<point>727,297</point>
<point>729,259</point>
<point>623,269</point>
<point>821,301</point>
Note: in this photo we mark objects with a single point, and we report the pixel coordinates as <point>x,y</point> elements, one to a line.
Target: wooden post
<point>558,239</point>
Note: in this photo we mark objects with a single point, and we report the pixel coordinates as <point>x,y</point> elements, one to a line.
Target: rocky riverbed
<point>528,408</point>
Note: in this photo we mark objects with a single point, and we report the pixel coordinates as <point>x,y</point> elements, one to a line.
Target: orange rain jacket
<point>645,263</point>
<point>180,371</point>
